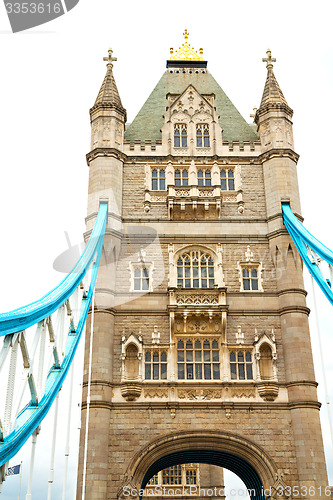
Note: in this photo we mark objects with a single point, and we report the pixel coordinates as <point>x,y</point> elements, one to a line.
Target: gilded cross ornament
<point>110,59</point>
<point>186,52</point>
<point>269,59</point>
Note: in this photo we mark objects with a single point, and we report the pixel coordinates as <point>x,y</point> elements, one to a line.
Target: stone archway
<point>238,454</point>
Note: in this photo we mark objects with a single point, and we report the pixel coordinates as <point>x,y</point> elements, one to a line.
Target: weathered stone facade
<point>200,341</point>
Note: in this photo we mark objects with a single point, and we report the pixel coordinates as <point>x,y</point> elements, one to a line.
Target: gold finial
<point>186,52</point>
<point>269,59</point>
<point>109,59</point>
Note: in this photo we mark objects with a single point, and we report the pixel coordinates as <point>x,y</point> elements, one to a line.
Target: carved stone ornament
<point>197,299</point>
<point>156,393</point>
<point>130,390</point>
<point>243,393</point>
<point>199,394</point>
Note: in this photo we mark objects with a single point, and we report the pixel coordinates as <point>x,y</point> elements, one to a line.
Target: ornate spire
<point>272,93</point>
<point>108,96</point>
<point>186,52</point>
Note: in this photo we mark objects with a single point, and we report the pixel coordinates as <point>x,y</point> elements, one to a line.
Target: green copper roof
<point>148,122</point>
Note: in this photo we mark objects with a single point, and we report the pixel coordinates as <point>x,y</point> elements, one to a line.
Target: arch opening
<point>220,458</point>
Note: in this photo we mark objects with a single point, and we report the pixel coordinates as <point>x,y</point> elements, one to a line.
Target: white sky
<point>51,76</point>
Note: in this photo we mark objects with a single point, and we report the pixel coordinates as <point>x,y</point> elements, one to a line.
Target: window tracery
<point>180,135</point>
<point>195,269</point>
<point>202,134</point>
<point>204,178</point>
<point>181,177</point>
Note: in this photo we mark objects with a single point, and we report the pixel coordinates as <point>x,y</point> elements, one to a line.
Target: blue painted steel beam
<point>301,237</point>
<point>31,416</point>
<point>24,317</point>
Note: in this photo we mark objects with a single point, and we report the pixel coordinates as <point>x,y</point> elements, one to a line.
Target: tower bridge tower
<point>201,350</point>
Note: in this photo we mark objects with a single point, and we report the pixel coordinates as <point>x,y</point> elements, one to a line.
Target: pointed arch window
<point>181,177</point>
<point>203,135</point>
<point>204,178</point>
<point>241,365</point>
<point>198,359</point>
<point>195,269</point>
<point>158,180</point>
<point>180,135</point>
<point>227,179</point>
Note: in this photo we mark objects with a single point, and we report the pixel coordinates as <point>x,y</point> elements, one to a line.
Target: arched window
<point>141,278</point>
<point>180,135</point>
<point>241,365</point>
<point>181,177</point>
<point>227,180</point>
<point>204,178</point>
<point>195,269</point>
<point>155,365</point>
<point>198,359</point>
<point>202,136</point>
<point>158,180</point>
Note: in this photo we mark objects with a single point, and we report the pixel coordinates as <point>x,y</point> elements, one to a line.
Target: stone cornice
<point>231,405</point>
<point>278,153</point>
<point>101,152</point>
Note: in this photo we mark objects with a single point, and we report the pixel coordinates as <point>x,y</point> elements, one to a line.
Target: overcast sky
<point>50,77</point>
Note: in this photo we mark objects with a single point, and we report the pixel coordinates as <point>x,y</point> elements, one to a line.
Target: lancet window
<point>204,178</point>
<point>158,180</point>
<point>181,177</point>
<point>180,135</point>
<point>198,359</point>
<point>156,365</point>
<point>195,269</point>
<point>203,135</point>
<point>241,365</point>
<point>227,180</point>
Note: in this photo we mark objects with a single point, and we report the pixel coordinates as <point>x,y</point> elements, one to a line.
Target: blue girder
<point>302,238</point>
<point>31,416</point>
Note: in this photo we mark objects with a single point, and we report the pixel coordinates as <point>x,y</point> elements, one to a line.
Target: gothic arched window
<point>204,178</point>
<point>227,180</point>
<point>195,269</point>
<point>180,135</point>
<point>203,136</point>
<point>181,177</point>
<point>158,180</point>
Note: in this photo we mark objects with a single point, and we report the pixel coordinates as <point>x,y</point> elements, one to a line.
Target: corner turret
<point>274,115</point>
<point>108,116</point>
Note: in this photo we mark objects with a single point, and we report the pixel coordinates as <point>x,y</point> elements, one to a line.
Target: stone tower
<point>201,349</point>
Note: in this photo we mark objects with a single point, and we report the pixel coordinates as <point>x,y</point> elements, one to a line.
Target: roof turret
<point>108,96</point>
